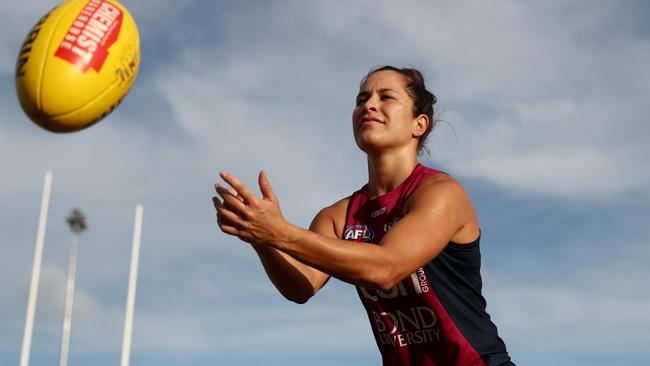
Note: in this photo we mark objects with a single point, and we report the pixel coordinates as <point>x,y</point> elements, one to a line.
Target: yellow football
<point>77,63</point>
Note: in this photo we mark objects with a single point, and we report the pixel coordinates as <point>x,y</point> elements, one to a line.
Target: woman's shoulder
<point>440,186</point>
<point>334,215</point>
<point>445,195</point>
<point>337,209</point>
<point>439,179</point>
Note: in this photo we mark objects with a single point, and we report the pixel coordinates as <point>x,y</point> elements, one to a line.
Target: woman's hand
<point>242,214</point>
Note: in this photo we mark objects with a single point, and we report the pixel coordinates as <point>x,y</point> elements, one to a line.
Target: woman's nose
<point>370,104</point>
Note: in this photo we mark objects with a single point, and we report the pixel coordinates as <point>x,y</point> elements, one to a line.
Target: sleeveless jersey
<point>436,316</point>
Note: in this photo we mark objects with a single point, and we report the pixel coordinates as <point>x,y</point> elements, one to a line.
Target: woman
<point>420,282</point>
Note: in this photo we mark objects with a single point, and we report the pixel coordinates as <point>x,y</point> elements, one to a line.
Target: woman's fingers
<point>231,224</point>
<point>241,213</point>
<point>265,187</point>
<point>226,190</point>
<point>239,187</point>
<point>231,200</point>
<point>233,193</point>
<point>217,204</point>
<point>230,230</point>
<point>227,217</point>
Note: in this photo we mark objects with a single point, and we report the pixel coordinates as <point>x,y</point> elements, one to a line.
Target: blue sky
<point>544,119</point>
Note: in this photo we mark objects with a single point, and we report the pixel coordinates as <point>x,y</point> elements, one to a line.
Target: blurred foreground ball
<point>77,63</point>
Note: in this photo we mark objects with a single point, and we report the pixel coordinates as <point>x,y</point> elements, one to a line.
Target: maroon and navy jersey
<point>436,316</point>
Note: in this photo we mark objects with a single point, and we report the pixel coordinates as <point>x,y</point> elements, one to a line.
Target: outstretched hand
<point>241,213</point>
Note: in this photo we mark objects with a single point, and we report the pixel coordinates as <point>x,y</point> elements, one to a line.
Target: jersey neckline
<point>390,195</point>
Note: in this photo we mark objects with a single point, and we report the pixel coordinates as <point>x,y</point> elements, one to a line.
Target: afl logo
<point>358,233</point>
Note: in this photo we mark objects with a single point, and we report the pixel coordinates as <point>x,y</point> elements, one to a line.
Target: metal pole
<point>133,277</point>
<point>36,270</point>
<point>69,300</point>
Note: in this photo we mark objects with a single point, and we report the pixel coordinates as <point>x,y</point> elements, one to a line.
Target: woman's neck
<point>387,171</point>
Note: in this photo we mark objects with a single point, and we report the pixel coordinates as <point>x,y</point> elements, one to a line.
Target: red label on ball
<point>92,33</point>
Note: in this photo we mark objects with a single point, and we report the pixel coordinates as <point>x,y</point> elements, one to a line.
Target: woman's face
<point>383,117</point>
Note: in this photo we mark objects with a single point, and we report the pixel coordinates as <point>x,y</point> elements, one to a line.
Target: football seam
<point>41,73</point>
<point>96,99</point>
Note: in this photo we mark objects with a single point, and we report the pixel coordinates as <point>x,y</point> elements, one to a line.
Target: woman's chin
<point>370,146</point>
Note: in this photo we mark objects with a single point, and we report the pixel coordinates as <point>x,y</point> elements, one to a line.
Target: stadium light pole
<point>36,270</point>
<point>77,223</point>
<point>133,279</point>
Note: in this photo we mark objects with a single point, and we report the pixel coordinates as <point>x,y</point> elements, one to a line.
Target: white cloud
<point>542,99</point>
<point>593,307</point>
<point>552,147</point>
<point>555,97</point>
<point>96,327</point>
<point>536,108</point>
<point>533,109</point>
<point>226,111</point>
<point>269,327</point>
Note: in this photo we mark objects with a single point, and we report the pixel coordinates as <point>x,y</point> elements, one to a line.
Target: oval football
<point>77,63</point>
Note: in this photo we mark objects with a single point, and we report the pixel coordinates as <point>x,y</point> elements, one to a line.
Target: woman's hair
<point>423,100</point>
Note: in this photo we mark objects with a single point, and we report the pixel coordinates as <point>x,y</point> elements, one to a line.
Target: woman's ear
<point>421,124</point>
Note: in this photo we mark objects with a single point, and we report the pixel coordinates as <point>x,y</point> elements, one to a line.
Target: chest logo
<point>375,214</point>
<point>390,225</point>
<point>358,233</point>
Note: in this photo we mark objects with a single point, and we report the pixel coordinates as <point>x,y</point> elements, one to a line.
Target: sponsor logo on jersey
<point>390,225</point>
<point>418,280</point>
<point>374,295</point>
<point>375,214</point>
<point>358,233</point>
<point>406,324</point>
<point>413,325</point>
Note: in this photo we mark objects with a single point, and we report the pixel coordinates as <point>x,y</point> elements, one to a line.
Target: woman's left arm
<point>437,213</point>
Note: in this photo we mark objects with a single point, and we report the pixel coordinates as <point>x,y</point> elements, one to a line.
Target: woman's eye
<point>384,97</point>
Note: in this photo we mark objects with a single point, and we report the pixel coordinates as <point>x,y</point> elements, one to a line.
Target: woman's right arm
<point>295,280</point>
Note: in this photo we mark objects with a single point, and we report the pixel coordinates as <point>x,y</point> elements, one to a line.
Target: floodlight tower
<point>77,223</point>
